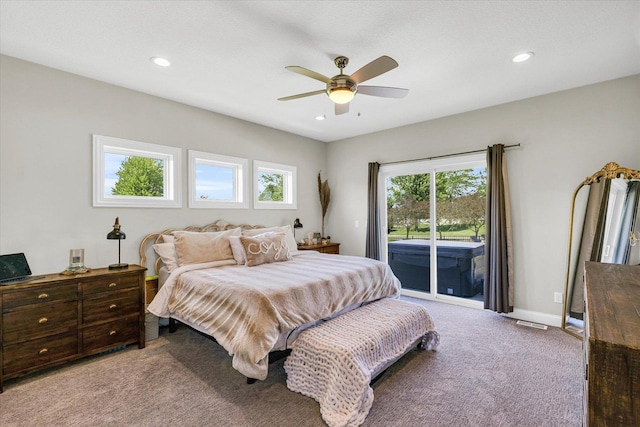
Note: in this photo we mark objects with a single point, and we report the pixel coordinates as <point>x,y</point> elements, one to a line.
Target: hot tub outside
<point>460,266</point>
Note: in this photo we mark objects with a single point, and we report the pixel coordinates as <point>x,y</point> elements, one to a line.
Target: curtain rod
<point>446,155</point>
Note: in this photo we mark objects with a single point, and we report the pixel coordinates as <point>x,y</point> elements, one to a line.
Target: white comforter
<point>246,308</point>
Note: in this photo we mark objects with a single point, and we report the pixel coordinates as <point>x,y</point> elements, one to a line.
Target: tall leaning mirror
<point>607,230</point>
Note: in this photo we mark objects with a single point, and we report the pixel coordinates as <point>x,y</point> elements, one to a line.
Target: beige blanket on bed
<point>246,308</point>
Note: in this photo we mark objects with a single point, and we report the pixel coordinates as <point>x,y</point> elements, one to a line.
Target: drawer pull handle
<point>43,351</point>
<point>43,320</point>
<point>43,295</point>
<point>112,306</point>
<point>112,333</point>
<point>113,285</point>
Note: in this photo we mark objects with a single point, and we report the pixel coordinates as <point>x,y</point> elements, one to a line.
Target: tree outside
<point>271,187</point>
<point>460,203</point>
<point>140,176</point>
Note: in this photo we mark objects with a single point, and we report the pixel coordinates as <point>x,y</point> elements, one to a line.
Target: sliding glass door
<point>434,225</point>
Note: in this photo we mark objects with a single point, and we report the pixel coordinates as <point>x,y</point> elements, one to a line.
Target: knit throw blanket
<point>334,362</point>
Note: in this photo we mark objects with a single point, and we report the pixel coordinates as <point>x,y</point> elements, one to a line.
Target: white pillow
<point>237,249</point>
<point>286,229</point>
<point>194,247</point>
<point>167,253</point>
<point>168,238</point>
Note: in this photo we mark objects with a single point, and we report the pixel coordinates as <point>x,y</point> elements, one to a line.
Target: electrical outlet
<point>557,297</point>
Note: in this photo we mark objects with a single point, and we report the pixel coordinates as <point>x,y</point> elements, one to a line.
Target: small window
<point>274,186</point>
<point>135,174</point>
<point>217,181</point>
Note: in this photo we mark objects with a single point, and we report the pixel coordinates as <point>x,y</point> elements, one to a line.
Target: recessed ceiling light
<point>320,117</point>
<point>521,57</point>
<point>163,62</point>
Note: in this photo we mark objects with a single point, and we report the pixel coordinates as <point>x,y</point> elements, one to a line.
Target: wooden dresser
<point>60,318</point>
<point>329,248</point>
<point>612,345</point>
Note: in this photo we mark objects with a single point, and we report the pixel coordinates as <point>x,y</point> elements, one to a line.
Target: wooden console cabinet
<point>612,345</point>
<point>61,318</point>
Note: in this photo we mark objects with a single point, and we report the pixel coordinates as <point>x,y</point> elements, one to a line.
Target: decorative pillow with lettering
<point>193,247</point>
<point>286,229</point>
<point>265,249</point>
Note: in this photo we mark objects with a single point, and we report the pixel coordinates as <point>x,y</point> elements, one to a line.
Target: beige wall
<point>564,138</point>
<point>47,118</point>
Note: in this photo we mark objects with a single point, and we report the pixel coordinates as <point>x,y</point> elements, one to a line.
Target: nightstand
<point>58,318</point>
<point>329,248</point>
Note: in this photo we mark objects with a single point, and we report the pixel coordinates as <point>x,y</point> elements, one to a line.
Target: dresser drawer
<point>32,354</point>
<point>111,305</point>
<point>39,295</point>
<point>119,332</point>
<point>40,321</point>
<point>109,284</point>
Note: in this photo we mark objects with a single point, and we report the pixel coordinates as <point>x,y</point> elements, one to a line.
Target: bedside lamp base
<point>118,266</point>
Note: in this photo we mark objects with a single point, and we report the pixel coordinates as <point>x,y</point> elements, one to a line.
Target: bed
<point>259,304</point>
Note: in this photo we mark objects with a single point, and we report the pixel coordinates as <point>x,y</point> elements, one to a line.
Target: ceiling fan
<point>342,88</point>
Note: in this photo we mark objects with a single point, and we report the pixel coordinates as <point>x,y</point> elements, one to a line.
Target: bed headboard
<point>146,250</point>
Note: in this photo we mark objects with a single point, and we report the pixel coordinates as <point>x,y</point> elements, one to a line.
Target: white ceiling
<point>229,56</point>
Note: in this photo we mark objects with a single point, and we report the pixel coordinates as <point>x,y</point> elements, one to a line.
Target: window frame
<point>240,181</point>
<point>172,171</point>
<point>430,166</point>
<point>289,182</point>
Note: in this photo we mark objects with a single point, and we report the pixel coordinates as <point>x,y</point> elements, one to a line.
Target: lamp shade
<point>116,233</point>
<point>297,223</point>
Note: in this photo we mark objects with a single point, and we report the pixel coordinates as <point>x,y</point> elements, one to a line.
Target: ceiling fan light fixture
<point>341,95</point>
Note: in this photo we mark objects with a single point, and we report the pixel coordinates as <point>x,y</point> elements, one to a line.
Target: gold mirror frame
<point>610,171</point>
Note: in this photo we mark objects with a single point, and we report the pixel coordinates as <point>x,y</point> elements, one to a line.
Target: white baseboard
<point>518,313</point>
<point>536,317</point>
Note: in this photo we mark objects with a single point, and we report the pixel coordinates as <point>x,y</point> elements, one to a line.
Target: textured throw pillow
<point>167,253</point>
<point>286,229</point>
<point>193,247</point>
<point>265,249</point>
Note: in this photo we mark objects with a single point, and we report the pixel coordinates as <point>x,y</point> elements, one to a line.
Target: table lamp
<point>117,234</point>
<point>296,224</point>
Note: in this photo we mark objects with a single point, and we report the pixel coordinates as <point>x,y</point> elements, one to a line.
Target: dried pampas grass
<point>325,198</point>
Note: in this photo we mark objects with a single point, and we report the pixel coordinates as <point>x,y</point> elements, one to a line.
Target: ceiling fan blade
<point>342,109</point>
<point>385,92</point>
<point>308,73</point>
<point>374,69</point>
<point>302,95</point>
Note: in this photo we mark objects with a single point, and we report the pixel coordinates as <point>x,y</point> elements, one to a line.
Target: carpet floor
<point>487,371</point>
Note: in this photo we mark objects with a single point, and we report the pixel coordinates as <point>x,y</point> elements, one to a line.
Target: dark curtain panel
<point>372,249</point>
<point>498,255</point>
<point>629,218</point>
<point>590,248</point>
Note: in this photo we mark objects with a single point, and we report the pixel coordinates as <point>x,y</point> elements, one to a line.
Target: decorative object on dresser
<point>325,198</point>
<point>325,248</point>
<point>117,234</point>
<point>59,318</point>
<point>612,345</point>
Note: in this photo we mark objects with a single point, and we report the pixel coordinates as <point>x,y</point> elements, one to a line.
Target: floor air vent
<point>531,324</point>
